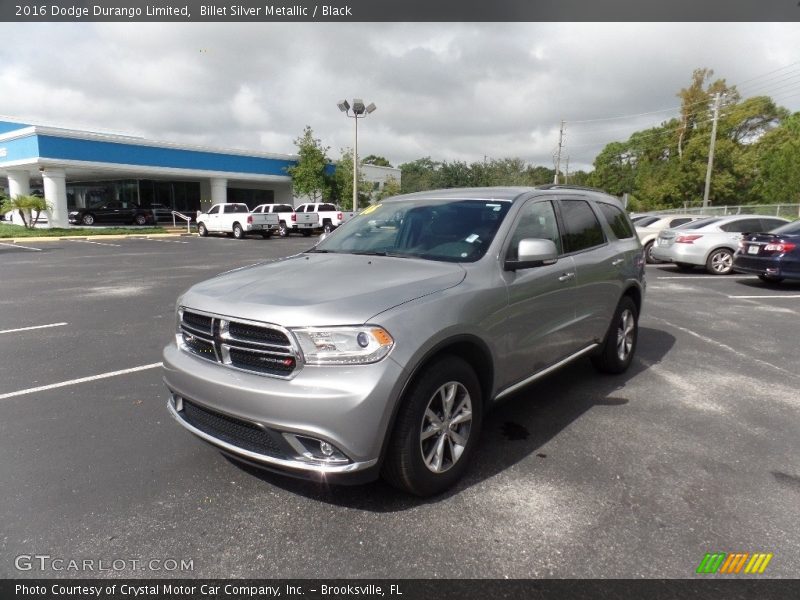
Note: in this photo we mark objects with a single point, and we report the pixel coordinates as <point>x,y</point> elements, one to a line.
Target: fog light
<point>315,450</point>
<point>326,448</point>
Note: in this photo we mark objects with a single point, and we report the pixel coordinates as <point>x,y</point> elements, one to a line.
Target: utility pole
<point>558,155</point>
<point>566,172</point>
<point>710,167</point>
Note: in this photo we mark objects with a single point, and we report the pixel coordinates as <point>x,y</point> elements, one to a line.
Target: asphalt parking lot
<point>694,450</point>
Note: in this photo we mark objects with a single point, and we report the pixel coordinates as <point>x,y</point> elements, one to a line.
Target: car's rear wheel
<point>201,230</point>
<point>770,279</point>
<point>238,232</point>
<point>436,430</point>
<point>619,345</point>
<point>720,262</point>
<point>88,219</point>
<point>327,227</point>
<point>282,231</point>
<point>648,253</point>
<point>140,220</point>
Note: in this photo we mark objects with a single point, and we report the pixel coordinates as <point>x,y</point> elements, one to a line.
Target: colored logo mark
<point>734,563</point>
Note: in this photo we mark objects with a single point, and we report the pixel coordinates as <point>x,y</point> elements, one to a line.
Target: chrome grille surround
<point>251,346</point>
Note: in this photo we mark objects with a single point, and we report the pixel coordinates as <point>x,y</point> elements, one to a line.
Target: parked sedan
<point>649,228</point>
<point>709,242</point>
<point>112,211</point>
<point>772,256</point>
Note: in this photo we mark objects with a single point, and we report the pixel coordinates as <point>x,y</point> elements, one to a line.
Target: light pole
<point>359,112</point>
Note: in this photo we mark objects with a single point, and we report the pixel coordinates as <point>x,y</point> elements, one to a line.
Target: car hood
<point>310,290</point>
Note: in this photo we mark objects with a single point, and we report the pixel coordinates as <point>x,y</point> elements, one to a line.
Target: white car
<point>235,219</point>
<point>330,217</point>
<point>709,242</point>
<point>649,227</point>
<point>288,220</point>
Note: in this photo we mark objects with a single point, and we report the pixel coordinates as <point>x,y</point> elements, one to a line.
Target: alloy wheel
<point>625,334</point>
<point>446,427</point>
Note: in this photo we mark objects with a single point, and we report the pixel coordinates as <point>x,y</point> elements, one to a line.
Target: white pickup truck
<point>330,217</point>
<point>288,220</point>
<point>237,220</point>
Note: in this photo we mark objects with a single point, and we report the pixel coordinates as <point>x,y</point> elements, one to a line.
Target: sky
<point>450,91</point>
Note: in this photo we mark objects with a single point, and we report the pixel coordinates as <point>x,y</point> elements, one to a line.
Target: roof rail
<point>566,186</point>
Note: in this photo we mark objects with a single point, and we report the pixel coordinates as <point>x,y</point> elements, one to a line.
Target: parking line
<point>98,243</point>
<point>751,297</point>
<point>720,277</point>
<point>34,327</point>
<point>165,241</point>
<point>20,246</point>
<point>81,380</point>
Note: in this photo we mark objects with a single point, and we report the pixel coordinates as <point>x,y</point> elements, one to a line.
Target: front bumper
<point>349,407</point>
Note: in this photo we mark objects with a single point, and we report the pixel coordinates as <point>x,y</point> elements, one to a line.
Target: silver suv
<point>380,350</point>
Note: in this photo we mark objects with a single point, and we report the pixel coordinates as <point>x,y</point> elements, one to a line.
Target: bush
<point>29,207</point>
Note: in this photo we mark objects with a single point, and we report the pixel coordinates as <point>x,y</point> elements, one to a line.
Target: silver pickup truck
<point>379,350</point>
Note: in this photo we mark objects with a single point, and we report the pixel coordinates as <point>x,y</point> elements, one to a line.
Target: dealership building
<point>75,169</point>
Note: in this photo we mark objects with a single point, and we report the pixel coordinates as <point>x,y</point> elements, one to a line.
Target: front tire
<point>140,220</point>
<point>648,254</point>
<point>720,262</point>
<point>201,230</point>
<point>238,232</point>
<point>436,430</point>
<point>88,219</point>
<point>619,346</point>
<point>327,227</point>
<point>282,231</point>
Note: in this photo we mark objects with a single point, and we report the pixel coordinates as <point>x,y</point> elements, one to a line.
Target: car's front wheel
<point>648,253</point>
<point>436,430</point>
<point>619,345</point>
<point>88,219</point>
<point>282,231</point>
<point>720,262</point>
<point>140,220</point>
<point>202,231</point>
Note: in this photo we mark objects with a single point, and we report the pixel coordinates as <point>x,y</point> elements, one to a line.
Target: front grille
<point>254,347</point>
<point>242,434</point>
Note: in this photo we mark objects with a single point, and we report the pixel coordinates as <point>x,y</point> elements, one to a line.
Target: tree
<point>378,161</point>
<point>421,174</point>
<point>29,207</point>
<point>343,182</point>
<point>778,163</point>
<point>391,187</point>
<point>309,176</point>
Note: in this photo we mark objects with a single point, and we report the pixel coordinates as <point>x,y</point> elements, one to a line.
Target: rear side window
<point>327,207</point>
<point>582,230</point>
<point>742,225</point>
<point>770,224</point>
<point>616,220</point>
<point>283,208</point>
<point>679,221</point>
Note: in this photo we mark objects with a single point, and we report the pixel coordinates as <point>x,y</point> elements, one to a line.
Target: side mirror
<point>533,253</point>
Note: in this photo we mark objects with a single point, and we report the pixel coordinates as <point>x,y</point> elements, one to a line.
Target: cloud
<point>455,91</point>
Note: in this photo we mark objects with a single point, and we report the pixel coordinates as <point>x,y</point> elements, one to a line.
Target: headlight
<point>74,214</point>
<point>344,345</point>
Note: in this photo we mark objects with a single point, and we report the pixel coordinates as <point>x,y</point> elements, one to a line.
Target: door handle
<point>566,276</point>
<point>618,261</point>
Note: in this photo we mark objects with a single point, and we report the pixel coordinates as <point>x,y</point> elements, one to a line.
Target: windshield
<point>446,230</point>
<point>790,228</point>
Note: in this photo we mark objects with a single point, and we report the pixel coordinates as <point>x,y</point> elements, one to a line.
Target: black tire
<point>282,230</point>
<point>720,262</point>
<point>306,232</point>
<point>619,345</point>
<point>418,443</point>
<point>326,226</point>
<point>686,267</point>
<point>87,219</point>
<point>648,253</point>
<point>201,230</point>
<point>140,220</point>
<point>238,232</point>
<point>770,279</point>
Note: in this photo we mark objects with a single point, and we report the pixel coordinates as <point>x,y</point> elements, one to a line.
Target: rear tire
<point>720,262</point>
<point>436,430</point>
<point>201,230</point>
<point>238,232</point>
<point>326,226</point>
<point>619,345</point>
<point>140,220</point>
<point>282,231</point>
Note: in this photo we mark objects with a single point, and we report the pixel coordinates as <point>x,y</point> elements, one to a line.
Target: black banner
<point>403,589</point>
<point>407,10</point>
